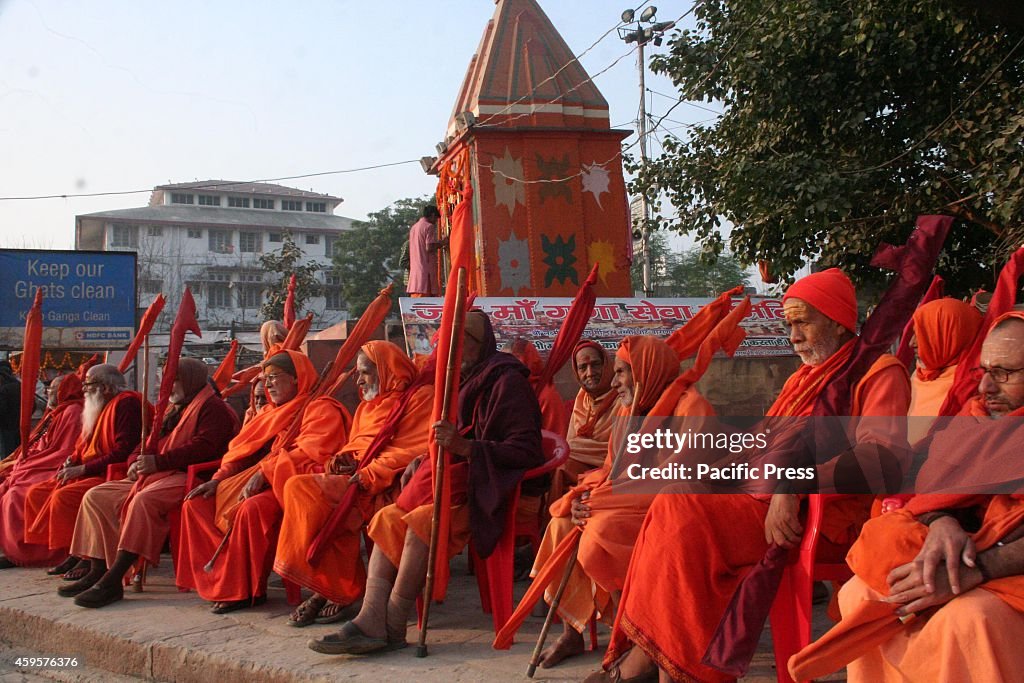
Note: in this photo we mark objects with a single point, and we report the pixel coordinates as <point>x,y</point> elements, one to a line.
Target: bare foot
<point>568,645</point>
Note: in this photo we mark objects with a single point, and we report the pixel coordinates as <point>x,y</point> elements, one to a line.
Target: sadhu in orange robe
<point>616,513</point>
<point>945,330</point>
<point>241,571</point>
<point>51,510</point>
<point>52,442</point>
<point>309,499</point>
<point>717,539</point>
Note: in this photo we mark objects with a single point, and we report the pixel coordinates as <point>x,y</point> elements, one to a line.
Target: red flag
<point>289,304</point>
<point>460,241</point>
<point>368,323</point>
<point>145,325</point>
<point>297,333</point>
<point>184,322</point>
<point>30,352</point>
<point>687,339</point>
<point>571,329</point>
<point>84,367</point>
<point>904,352</point>
<point>1003,299</point>
<point>222,377</point>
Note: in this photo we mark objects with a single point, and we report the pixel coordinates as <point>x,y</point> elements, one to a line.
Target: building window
<point>250,277</point>
<point>154,230</point>
<point>312,239</point>
<point>330,246</point>
<point>318,207</point>
<point>220,242</point>
<point>276,237</point>
<point>195,233</point>
<point>249,242</point>
<point>124,236</point>
<point>218,276</point>
<point>209,200</point>
<point>239,202</point>
<point>250,296</point>
<point>289,205</point>
<point>218,296</point>
<point>150,285</point>
<point>177,198</point>
<point>263,203</point>
<point>332,292</point>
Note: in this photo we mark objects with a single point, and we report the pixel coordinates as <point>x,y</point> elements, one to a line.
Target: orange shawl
<point>103,434</point>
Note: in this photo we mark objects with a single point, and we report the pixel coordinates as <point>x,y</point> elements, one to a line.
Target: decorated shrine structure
<point>530,134</point>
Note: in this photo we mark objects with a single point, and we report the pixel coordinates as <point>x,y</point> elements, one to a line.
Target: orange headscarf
<point>829,291</point>
<point>654,366</point>
<point>945,329</point>
<point>395,372</point>
<point>272,422</point>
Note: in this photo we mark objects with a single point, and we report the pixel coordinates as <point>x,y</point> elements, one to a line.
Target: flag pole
<point>145,392</point>
<point>439,469</point>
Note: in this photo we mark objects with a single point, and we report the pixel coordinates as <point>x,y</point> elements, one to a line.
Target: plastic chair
<point>494,574</point>
<point>791,611</point>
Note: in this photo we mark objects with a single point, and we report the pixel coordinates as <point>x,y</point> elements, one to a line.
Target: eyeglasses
<point>998,375</point>
<point>272,379</point>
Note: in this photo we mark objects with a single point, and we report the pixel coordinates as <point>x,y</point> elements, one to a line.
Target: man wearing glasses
<point>920,567</point>
<point>111,428</point>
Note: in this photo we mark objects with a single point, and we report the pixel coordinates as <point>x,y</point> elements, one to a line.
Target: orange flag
<point>145,325</point>
<point>30,352</point>
<point>289,304</point>
<point>687,339</point>
<point>460,241</point>
<point>222,377</point>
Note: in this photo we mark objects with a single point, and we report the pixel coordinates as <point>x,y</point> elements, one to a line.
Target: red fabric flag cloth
<point>289,303</point>
<point>184,322</point>
<point>222,377</point>
<point>904,353</point>
<point>30,352</point>
<point>735,640</point>
<point>571,329</point>
<point>84,367</point>
<point>687,339</point>
<point>1003,299</point>
<point>460,242</point>
<point>368,323</point>
<point>145,325</point>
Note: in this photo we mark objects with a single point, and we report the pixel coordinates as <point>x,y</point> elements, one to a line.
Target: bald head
<point>1001,384</point>
<point>105,378</point>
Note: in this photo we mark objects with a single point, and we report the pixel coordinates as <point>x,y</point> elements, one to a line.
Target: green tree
<point>282,263</point>
<point>688,273</point>
<point>366,256</point>
<point>842,122</point>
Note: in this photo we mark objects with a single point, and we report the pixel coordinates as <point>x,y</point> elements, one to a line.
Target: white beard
<point>94,405</point>
<point>370,392</point>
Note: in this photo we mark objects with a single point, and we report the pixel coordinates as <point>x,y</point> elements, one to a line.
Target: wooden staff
<point>555,601</point>
<point>571,564</point>
<point>439,470</point>
<point>145,392</point>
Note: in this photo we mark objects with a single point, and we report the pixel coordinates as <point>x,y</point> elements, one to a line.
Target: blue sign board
<point>89,297</point>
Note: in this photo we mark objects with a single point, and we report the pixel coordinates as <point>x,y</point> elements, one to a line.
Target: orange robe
<point>42,461</point>
<point>719,538</point>
<point>309,499</point>
<point>51,510</point>
<point>241,570</point>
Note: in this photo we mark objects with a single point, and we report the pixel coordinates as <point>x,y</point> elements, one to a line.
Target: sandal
<point>613,675</point>
<point>350,640</point>
<point>235,605</point>
<point>332,613</point>
<point>65,566</point>
<point>78,571</point>
<point>307,612</point>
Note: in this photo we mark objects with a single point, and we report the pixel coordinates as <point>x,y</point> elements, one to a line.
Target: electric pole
<point>641,36</point>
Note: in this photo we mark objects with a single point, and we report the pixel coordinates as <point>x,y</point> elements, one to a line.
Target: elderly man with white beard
<point>111,427</point>
<point>196,430</point>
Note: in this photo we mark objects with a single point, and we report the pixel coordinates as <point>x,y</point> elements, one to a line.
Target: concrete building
<point>209,235</point>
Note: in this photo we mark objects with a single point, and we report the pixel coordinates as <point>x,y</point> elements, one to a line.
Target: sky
<point>106,96</point>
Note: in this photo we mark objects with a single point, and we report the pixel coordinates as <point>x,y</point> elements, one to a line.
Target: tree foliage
<point>842,122</point>
<point>282,263</point>
<point>366,256</point>
<point>688,273</point>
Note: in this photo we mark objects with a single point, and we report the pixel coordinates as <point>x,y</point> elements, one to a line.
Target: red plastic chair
<point>791,611</point>
<point>494,574</point>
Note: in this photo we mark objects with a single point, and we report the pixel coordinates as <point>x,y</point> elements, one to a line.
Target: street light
<point>641,35</point>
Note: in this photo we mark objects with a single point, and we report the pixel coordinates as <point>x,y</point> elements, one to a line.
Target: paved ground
<point>165,635</point>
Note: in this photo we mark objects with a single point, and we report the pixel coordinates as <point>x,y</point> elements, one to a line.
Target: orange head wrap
<point>831,292</point>
<point>945,329</point>
<point>655,365</point>
<point>395,371</point>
